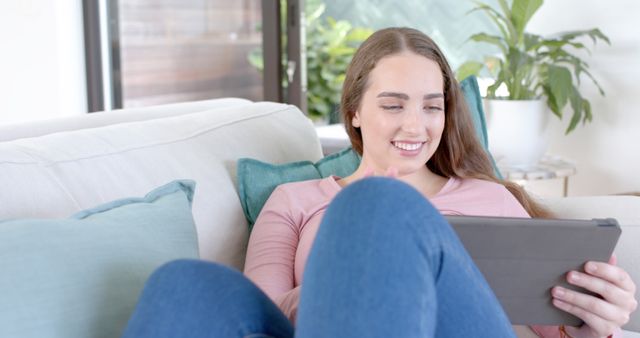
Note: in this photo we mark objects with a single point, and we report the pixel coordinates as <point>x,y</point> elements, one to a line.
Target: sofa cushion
<point>81,276</point>
<point>58,174</point>
<point>94,120</point>
<point>257,179</point>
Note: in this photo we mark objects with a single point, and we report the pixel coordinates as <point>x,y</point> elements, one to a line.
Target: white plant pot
<point>517,131</point>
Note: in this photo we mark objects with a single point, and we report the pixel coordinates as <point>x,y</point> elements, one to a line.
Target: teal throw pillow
<point>257,180</point>
<point>81,276</point>
<point>471,92</point>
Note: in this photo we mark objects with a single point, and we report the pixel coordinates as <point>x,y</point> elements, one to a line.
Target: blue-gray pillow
<point>81,276</point>
<point>257,180</point>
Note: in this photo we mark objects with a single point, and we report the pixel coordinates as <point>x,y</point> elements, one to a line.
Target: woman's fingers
<point>595,323</point>
<point>601,315</point>
<point>612,293</point>
<point>611,273</point>
<point>611,282</point>
<point>599,307</point>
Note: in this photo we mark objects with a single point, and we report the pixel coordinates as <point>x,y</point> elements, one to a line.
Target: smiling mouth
<point>408,146</point>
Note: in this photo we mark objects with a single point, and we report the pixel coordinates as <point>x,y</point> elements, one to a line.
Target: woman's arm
<point>271,252</point>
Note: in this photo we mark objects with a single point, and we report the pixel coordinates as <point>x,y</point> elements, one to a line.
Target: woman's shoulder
<point>308,193</point>
<point>314,186</point>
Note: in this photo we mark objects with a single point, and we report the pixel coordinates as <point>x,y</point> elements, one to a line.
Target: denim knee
<point>167,272</point>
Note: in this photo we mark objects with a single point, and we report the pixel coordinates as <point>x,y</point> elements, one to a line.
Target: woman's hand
<point>601,316</point>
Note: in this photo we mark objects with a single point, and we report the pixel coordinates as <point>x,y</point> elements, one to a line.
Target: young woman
<point>367,256</point>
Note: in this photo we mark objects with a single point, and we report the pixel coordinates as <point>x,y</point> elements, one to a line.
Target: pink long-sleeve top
<point>286,227</point>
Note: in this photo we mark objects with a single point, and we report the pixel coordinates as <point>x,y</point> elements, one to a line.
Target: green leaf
<point>588,116</point>
<point>584,70</point>
<point>467,69</point>
<point>560,85</point>
<point>491,90</point>
<point>551,102</point>
<point>505,7</point>
<point>491,39</point>
<point>314,12</point>
<point>596,33</point>
<point>503,24</point>
<point>341,50</point>
<point>577,107</point>
<point>359,34</point>
<point>521,13</point>
<point>531,41</point>
<point>593,33</point>
<point>519,65</point>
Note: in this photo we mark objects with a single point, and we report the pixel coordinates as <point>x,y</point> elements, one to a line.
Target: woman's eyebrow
<point>404,96</point>
<point>433,96</point>
<point>393,94</point>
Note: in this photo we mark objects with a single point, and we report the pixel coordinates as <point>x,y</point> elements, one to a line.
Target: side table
<point>550,166</point>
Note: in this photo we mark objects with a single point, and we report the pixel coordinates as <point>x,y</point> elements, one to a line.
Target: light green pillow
<point>81,276</point>
<point>257,180</point>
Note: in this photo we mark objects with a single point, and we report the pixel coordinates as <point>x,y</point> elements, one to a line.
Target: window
<point>164,51</point>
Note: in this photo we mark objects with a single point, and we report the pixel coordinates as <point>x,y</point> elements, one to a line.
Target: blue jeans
<point>384,263</point>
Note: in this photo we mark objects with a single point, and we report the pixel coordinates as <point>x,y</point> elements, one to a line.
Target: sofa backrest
<point>94,120</point>
<point>58,174</point>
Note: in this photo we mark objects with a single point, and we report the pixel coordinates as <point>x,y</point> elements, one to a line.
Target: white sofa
<point>55,168</point>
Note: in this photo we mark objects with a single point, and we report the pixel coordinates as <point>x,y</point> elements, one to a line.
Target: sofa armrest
<point>626,209</point>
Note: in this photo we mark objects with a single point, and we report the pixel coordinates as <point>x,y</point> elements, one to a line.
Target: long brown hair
<point>460,153</point>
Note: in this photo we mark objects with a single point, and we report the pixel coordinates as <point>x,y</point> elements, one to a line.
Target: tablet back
<point>523,258</point>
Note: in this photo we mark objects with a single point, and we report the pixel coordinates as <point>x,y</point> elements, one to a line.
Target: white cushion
<point>93,120</point>
<point>58,174</point>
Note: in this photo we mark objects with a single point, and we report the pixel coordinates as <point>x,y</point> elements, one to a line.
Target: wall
<point>607,151</point>
<point>42,60</point>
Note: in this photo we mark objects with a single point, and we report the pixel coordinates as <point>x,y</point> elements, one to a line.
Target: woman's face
<point>401,116</point>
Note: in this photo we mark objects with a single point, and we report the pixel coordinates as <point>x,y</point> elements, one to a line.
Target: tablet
<point>523,258</point>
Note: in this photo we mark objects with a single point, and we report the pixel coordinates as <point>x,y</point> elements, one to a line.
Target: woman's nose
<point>413,119</point>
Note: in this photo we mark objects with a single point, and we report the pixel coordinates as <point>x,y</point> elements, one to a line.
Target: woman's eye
<point>391,107</point>
<point>433,108</point>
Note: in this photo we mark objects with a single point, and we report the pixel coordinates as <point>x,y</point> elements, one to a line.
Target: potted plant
<point>539,74</point>
<point>330,45</point>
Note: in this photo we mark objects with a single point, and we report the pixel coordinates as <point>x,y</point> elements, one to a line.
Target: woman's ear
<point>355,121</point>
